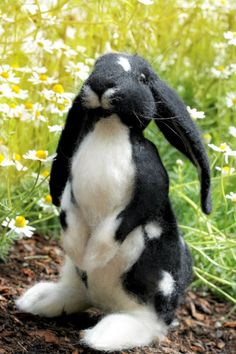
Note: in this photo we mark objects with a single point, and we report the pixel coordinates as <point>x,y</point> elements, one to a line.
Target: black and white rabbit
<point>124,252</point>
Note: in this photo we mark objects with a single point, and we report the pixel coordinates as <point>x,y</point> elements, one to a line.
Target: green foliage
<point>191,44</point>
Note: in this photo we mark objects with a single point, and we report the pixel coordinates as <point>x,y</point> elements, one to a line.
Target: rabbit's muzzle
<point>105,99</point>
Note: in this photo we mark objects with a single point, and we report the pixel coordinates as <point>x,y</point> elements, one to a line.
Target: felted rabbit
<point>124,252</point>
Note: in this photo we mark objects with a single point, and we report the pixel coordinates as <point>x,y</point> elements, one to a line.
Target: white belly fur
<point>103,171</point>
<point>103,177</point>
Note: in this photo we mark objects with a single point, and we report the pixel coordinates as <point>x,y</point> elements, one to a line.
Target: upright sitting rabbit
<point>124,251</point>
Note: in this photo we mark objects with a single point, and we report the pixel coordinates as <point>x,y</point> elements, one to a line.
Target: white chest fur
<point>103,171</point>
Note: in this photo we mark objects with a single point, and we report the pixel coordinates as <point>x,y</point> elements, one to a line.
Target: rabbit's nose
<point>102,85</point>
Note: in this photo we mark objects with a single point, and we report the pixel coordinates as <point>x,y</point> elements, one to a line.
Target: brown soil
<point>205,323</point>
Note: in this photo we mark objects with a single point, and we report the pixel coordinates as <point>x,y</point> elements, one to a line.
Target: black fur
<point>136,102</point>
<point>150,196</point>
<point>140,96</point>
<point>83,276</point>
<point>63,221</point>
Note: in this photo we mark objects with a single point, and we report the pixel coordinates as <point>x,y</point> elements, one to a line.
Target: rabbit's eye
<point>143,78</point>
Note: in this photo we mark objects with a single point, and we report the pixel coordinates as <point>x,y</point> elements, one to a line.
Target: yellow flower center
<point>45,173</point>
<point>16,88</point>
<point>41,154</point>
<point>17,157</point>
<point>28,105</point>
<point>20,221</point>
<point>234,100</point>
<point>223,146</point>
<point>58,88</point>
<point>43,77</point>
<point>48,199</point>
<point>2,157</point>
<point>61,107</point>
<point>207,137</point>
<point>221,68</point>
<point>13,105</point>
<point>5,74</point>
<point>226,170</point>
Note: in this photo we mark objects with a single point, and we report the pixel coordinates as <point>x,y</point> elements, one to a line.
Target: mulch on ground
<point>206,325</point>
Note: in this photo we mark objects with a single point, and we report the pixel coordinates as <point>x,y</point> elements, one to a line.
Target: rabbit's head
<point>120,84</point>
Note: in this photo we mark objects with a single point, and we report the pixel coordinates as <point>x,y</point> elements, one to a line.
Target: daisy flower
<point>38,79</point>
<point>12,91</point>
<point>194,114</point>
<point>19,225</point>
<point>231,196</point>
<point>231,37</point>
<point>39,69</point>
<point>46,204</point>
<point>79,70</point>
<point>5,162</point>
<point>55,128</point>
<point>42,176</point>
<point>19,92</point>
<point>18,165</point>
<point>32,112</point>
<point>225,149</point>
<point>231,100</point>
<point>50,20</point>
<point>30,6</point>
<point>221,72</point>
<point>179,162</point>
<point>32,45</point>
<point>226,170</point>
<point>5,18</point>
<point>15,111</point>
<point>39,155</point>
<point>58,109</point>
<point>57,94</point>
<point>4,108</point>
<point>232,131</point>
<point>7,75</point>
<point>70,32</point>
<point>222,148</point>
<point>6,91</point>
<point>232,68</point>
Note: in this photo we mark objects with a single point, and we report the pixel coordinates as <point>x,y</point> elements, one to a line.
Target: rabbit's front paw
<point>44,299</point>
<point>98,254</point>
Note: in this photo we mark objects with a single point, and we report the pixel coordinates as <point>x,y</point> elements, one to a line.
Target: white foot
<point>124,331</point>
<point>50,300</point>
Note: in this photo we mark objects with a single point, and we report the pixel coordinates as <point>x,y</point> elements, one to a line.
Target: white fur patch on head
<point>124,62</point>
<point>153,230</point>
<point>106,104</point>
<point>90,98</point>
<point>167,284</point>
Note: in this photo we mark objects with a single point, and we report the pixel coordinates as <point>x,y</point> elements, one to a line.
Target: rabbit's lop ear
<point>175,123</point>
<point>66,146</point>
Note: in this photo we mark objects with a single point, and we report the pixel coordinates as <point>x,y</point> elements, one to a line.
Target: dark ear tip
<point>207,209</point>
<point>207,206</point>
